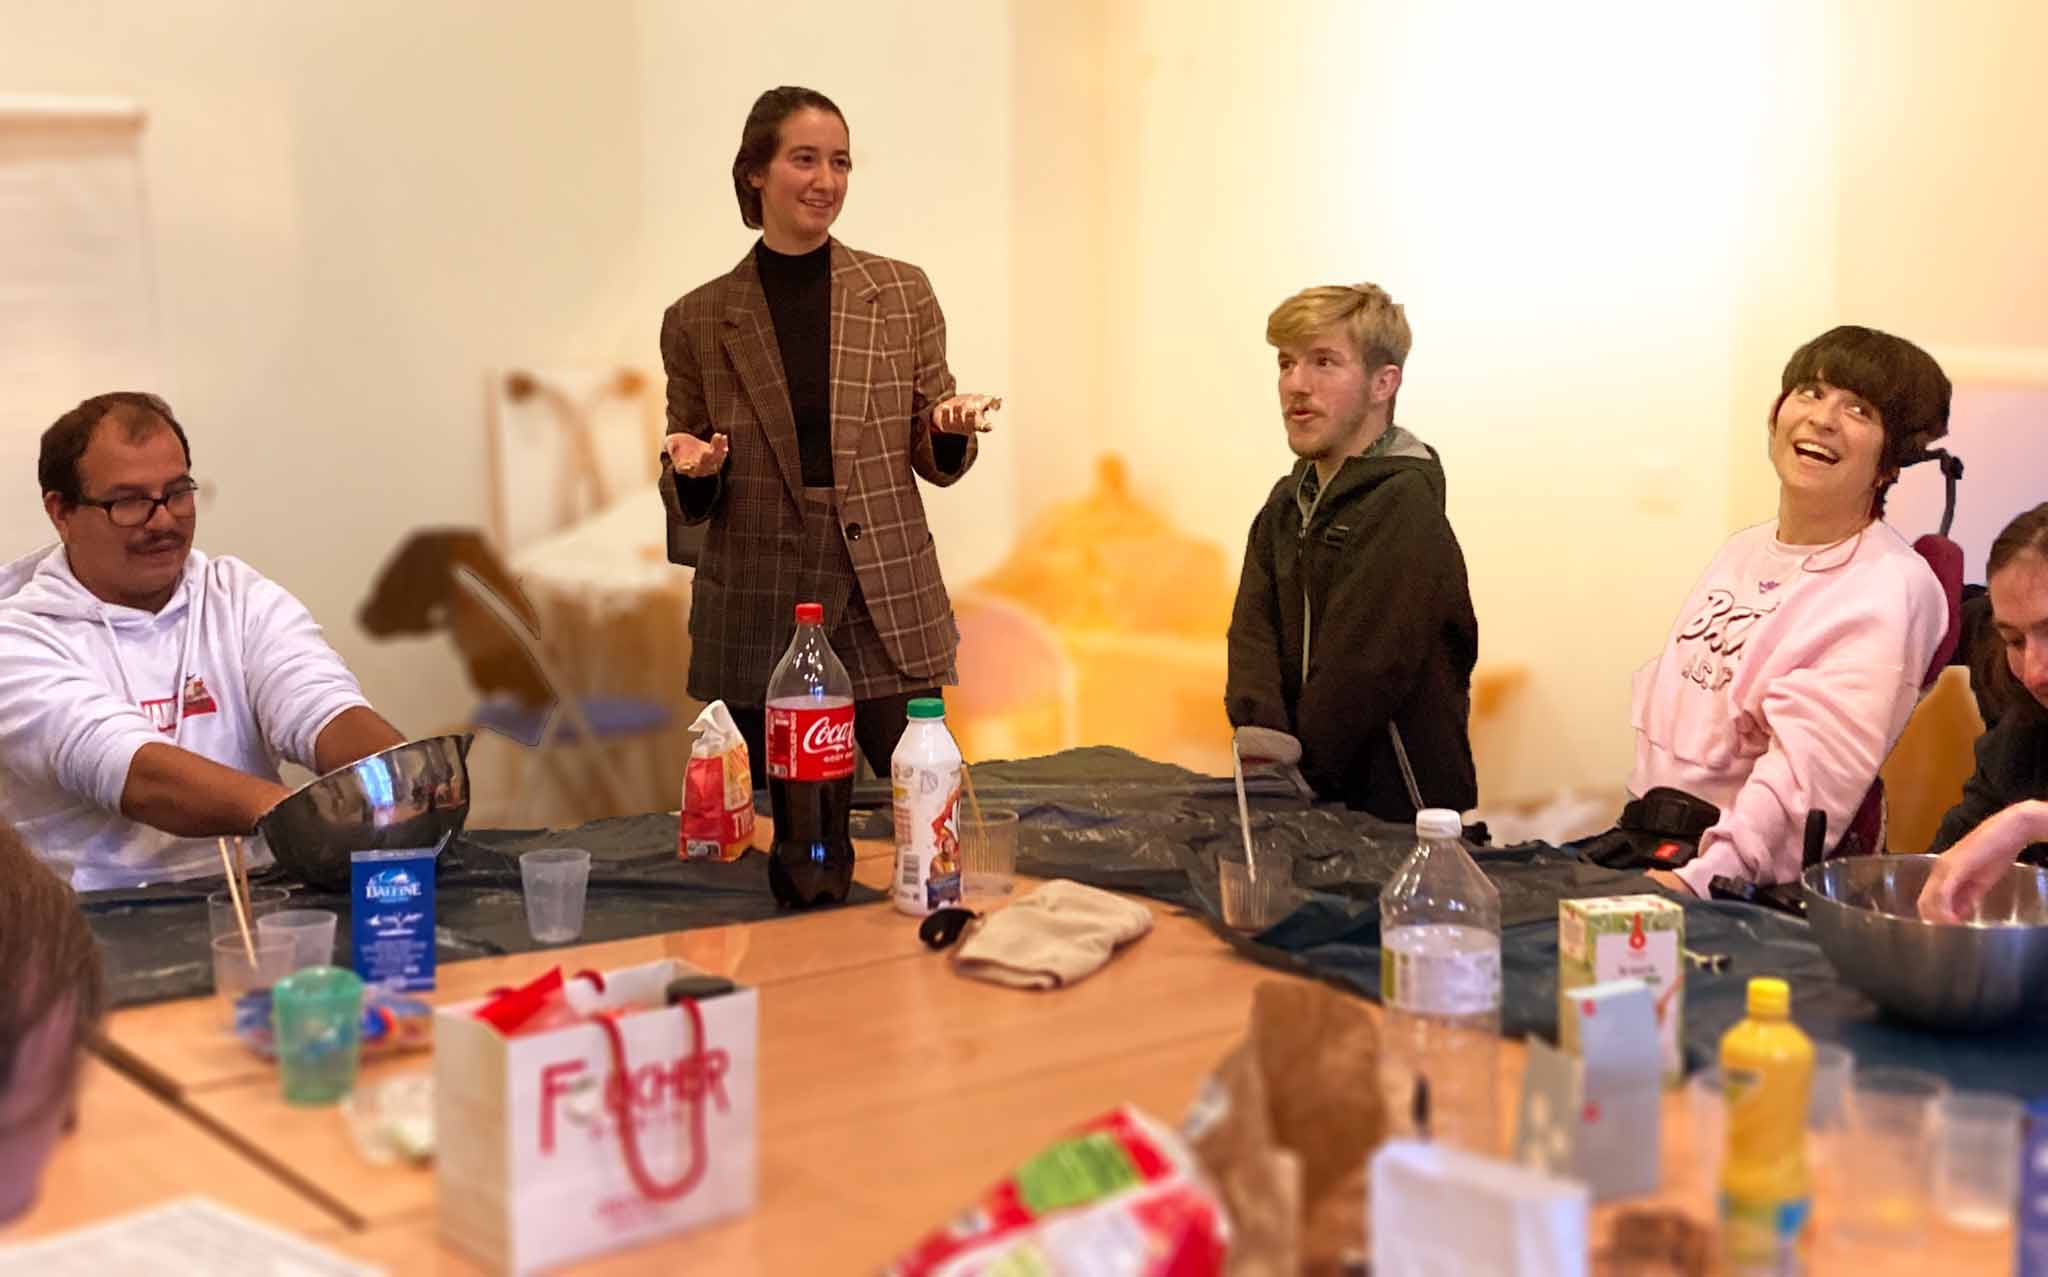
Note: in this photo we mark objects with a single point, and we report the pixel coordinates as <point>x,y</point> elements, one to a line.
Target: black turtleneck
<point>800,302</point>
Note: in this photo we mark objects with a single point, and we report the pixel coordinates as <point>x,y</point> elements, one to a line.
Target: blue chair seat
<point>611,718</point>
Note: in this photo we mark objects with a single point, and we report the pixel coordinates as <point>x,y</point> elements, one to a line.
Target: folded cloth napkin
<point>1051,937</point>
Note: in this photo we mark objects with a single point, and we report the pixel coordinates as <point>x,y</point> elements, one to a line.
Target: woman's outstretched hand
<point>693,458</point>
<point>965,414</point>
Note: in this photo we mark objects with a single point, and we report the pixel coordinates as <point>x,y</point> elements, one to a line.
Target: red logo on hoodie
<point>163,713</point>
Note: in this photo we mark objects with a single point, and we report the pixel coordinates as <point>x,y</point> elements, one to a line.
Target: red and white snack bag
<point>718,790</point>
<point>1122,1196</point>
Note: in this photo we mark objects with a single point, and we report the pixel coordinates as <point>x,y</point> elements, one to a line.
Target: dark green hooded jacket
<point>1357,616</point>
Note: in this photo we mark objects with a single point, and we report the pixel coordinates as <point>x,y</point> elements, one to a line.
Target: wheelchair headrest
<point>1946,558</point>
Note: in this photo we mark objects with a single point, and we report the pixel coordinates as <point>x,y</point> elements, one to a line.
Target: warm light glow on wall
<point>1580,211</point>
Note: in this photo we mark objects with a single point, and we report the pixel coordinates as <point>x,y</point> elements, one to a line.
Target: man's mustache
<point>154,544</point>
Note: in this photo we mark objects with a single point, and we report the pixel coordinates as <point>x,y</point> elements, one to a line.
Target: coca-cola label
<point>810,744</point>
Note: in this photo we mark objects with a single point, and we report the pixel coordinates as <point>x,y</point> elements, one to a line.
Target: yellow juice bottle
<point>1766,1202</point>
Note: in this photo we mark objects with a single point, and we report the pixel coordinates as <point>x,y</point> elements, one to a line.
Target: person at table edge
<point>1353,620</point>
<point>1798,656</point>
<point>50,1004</point>
<point>807,392</point>
<point>147,690</point>
<point>2003,813</point>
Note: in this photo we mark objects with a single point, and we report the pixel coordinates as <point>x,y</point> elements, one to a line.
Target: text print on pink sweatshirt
<point>1785,681</point>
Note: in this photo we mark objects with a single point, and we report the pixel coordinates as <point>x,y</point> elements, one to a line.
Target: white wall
<point>358,208</point>
<point>1610,224</point>
<point>361,206</point>
<point>926,90</point>
<point>1572,205</point>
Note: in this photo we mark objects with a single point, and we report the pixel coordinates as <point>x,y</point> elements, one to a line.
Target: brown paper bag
<point>1285,1126</point>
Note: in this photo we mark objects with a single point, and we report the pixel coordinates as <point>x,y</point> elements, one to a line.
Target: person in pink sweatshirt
<point>1799,654</point>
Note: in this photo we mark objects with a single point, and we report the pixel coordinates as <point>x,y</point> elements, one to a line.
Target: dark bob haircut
<point>1902,381</point>
<point>762,133</point>
<point>66,440</point>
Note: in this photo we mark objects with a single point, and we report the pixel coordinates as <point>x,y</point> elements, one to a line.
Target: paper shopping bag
<point>584,1138</point>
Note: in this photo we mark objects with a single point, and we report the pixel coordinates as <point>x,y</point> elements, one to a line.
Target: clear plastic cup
<point>1977,1159</point>
<point>1255,893</point>
<point>555,881</point>
<point>311,930</point>
<point>318,1014</point>
<point>988,852</point>
<point>1885,1156</point>
<point>236,977</point>
<point>1707,1105</point>
<point>1827,1114</point>
<point>220,908</point>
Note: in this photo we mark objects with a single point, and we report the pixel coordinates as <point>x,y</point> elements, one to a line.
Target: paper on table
<point>192,1236</point>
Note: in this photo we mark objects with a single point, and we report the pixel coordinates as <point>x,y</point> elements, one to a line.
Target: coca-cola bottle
<point>810,768</point>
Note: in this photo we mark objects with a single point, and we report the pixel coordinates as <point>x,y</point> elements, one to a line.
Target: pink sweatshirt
<point>1786,680</point>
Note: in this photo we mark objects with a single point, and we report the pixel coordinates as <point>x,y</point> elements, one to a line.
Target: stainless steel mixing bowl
<point>407,796</point>
<point>1945,975</point>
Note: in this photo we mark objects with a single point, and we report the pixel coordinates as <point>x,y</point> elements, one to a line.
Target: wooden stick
<point>1244,814</point>
<point>235,897</point>
<point>974,805</point>
<point>242,872</point>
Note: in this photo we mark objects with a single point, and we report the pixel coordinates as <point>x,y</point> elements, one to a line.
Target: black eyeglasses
<point>181,499</point>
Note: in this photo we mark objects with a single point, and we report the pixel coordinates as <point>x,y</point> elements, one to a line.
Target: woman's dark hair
<point>1989,670</point>
<point>51,961</point>
<point>1902,381</point>
<point>68,437</point>
<point>760,137</point>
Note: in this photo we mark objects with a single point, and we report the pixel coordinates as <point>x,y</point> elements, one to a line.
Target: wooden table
<point>131,1150</point>
<point>892,1092</point>
<point>178,1047</point>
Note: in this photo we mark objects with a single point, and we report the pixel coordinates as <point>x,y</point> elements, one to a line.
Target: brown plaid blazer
<point>887,370</point>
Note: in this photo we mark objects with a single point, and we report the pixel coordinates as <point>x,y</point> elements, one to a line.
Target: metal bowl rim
<point>1809,876</point>
<point>467,738</point>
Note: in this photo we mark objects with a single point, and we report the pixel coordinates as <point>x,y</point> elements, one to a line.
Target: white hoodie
<point>233,668</point>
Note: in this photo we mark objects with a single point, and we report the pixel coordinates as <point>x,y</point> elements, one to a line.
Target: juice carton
<point>1625,938</point>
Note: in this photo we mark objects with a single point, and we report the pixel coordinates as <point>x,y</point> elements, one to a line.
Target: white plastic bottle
<point>1440,989</point>
<point>924,781</point>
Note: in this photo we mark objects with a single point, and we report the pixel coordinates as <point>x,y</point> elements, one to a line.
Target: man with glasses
<point>148,691</point>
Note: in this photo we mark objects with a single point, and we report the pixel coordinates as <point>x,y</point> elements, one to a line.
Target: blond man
<point>1353,628</point>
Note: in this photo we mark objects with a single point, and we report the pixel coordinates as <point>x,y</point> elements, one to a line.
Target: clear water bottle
<point>1440,990</point>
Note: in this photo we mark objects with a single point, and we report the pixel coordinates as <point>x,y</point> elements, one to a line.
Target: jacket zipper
<point>1307,610</point>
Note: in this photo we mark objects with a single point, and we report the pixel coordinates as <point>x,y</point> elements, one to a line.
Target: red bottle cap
<point>810,614</point>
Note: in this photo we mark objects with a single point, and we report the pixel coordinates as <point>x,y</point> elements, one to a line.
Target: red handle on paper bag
<point>698,1075</point>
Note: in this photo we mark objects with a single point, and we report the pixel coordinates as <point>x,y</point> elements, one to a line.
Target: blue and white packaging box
<point>2030,1227</point>
<point>391,908</point>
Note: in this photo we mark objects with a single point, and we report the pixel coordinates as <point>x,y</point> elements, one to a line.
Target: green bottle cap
<point>927,707</point>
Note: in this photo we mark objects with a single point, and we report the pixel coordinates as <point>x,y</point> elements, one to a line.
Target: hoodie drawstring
<point>197,603</point>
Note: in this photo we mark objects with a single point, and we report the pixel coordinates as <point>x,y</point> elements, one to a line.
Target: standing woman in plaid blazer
<point>807,391</point>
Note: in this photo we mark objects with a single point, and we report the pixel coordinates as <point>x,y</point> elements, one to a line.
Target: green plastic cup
<point>318,1015</point>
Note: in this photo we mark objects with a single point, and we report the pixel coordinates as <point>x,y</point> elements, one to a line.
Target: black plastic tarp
<point>155,939</point>
<point>1114,820</point>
